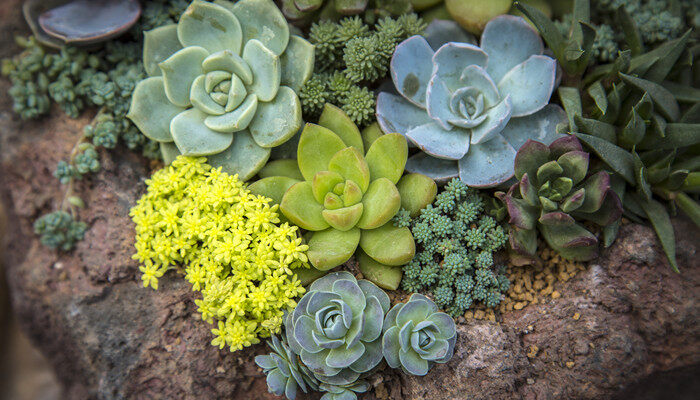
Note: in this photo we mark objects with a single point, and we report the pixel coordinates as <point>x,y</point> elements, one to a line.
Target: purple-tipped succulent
<point>552,194</point>
<point>470,108</point>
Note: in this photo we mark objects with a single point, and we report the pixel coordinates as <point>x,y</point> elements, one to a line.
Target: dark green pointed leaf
<point>643,187</point>
<point>664,100</point>
<point>550,33</point>
<point>658,125</point>
<point>658,216</point>
<point>633,132</point>
<point>596,128</point>
<point>689,206</point>
<point>692,182</point>
<point>597,93</point>
<point>692,115</point>
<point>668,54</point>
<point>629,28</point>
<point>677,135</point>
<point>683,93</point>
<point>571,100</point>
<point>617,158</point>
<point>677,179</point>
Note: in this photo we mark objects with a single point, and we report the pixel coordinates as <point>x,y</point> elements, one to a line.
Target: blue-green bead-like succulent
<point>470,108</point>
<point>336,329</point>
<point>417,335</point>
<point>285,374</point>
<point>223,83</point>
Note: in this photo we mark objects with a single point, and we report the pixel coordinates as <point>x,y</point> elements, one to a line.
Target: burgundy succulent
<point>553,192</point>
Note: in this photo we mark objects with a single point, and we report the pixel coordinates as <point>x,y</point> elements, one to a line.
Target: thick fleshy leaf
<point>324,182</point>
<point>371,290</point>
<point>303,327</point>
<point>381,202</point>
<point>508,41</point>
<point>664,101</point>
<point>371,133</point>
<point>244,157</point>
<point>396,114</point>
<point>438,169</point>
<point>330,248</point>
<point>487,164</point>
<point>529,84</point>
<point>388,244</point>
<point>299,205</point>
<point>374,318</point>
<point>540,126</point>
<point>384,276</point>
<point>522,214</point>
<point>417,191</point>
<point>391,347</point>
<point>277,121</point>
<point>262,20</point>
<point>316,362</point>
<point>411,69</point>
<point>297,63</point>
<point>325,284</point>
<point>441,31</point>
<point>179,71</point>
<point>440,349</point>
<point>676,135</point>
<point>169,152</point>
<point>413,363</point>
<point>477,77</point>
<point>317,146</point>
<point>608,213</point>
<point>273,187</point>
<point>445,324</point>
<point>617,158</point>
<point>597,186</point>
<point>416,311</point>
<point>267,71</point>
<point>350,164</point>
<point>228,61</point>
<point>209,26</point>
<point>387,157</point>
<point>200,98</point>
<point>530,157</point>
<point>285,167</point>
<point>345,218</point>
<point>574,164</point>
<point>571,240</point>
<point>236,120</point>
<point>194,138</point>
<point>440,143</point>
<point>438,101</point>
<point>151,111</point>
<point>339,123</point>
<point>498,117</point>
<point>451,59</point>
<point>158,45</point>
<point>370,358</point>
<point>276,382</point>
<point>352,295</point>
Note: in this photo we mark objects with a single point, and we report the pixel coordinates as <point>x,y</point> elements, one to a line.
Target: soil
<point>624,327</point>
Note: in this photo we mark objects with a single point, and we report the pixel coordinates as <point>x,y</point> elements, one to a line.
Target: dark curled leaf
<point>664,100</point>
<point>597,93</point>
<point>596,128</point>
<point>660,220</point>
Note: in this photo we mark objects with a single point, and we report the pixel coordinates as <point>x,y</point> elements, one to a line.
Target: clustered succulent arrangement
<point>432,149</point>
<point>343,328</point>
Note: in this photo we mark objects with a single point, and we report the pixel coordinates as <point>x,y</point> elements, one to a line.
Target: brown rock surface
<point>637,334</point>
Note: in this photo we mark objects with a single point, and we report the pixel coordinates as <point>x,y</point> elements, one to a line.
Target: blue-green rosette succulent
<point>336,329</point>
<point>222,83</point>
<point>417,335</point>
<point>285,374</point>
<point>470,108</point>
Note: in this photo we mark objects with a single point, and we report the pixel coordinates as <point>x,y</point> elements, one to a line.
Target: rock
<point>107,337</point>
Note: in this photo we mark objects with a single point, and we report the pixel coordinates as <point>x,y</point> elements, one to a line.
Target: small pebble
<point>577,316</point>
<point>569,364</point>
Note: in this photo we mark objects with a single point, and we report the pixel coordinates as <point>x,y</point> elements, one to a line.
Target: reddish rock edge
<point>637,336</point>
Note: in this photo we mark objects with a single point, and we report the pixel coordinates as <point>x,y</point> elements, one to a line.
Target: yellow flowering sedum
<point>230,243</point>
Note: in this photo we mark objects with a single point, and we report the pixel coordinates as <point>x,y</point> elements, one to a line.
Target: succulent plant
<point>553,192</point>
<point>336,328</point>
<point>574,50</point>
<point>417,335</point>
<point>473,15</point>
<point>285,374</point>
<point>301,11</point>
<point>223,84</point>
<point>468,108</point>
<point>348,198</point>
<point>643,124</point>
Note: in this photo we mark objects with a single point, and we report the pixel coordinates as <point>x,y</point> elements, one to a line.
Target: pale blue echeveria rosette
<point>222,83</point>
<point>470,108</point>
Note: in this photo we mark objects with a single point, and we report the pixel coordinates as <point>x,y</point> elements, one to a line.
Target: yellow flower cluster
<point>230,243</point>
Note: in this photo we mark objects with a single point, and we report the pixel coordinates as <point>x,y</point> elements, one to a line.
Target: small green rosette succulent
<point>470,108</point>
<point>552,194</point>
<point>347,197</point>
<point>285,374</point>
<point>336,329</point>
<point>222,83</point>
<point>417,335</point>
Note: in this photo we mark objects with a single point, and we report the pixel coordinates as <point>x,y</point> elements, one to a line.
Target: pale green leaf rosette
<point>222,84</point>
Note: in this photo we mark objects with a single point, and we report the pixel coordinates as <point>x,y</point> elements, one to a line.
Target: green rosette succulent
<point>302,11</point>
<point>347,197</point>
<point>552,194</point>
<point>336,329</point>
<point>417,335</point>
<point>222,83</point>
<point>285,374</point>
